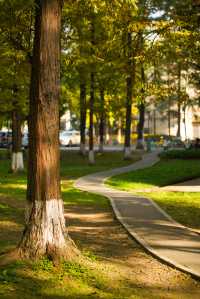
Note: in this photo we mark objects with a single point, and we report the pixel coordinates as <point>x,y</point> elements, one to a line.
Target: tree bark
<point>102,122</point>
<point>91,128</point>
<point>92,80</point>
<point>129,87</point>
<point>141,107</point>
<point>44,233</point>
<point>169,118</point>
<point>82,114</point>
<point>179,102</point>
<point>154,122</point>
<point>17,163</point>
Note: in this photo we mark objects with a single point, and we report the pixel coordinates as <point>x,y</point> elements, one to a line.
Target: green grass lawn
<point>163,173</point>
<point>183,207</point>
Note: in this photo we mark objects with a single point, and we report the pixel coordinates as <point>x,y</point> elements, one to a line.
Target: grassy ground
<point>164,173</point>
<point>117,268</point>
<point>184,207</point>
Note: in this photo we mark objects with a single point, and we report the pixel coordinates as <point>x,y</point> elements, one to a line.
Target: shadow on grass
<point>21,281</point>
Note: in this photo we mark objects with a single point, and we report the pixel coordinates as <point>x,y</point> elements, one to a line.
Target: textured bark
<point>102,122</point>
<point>129,87</point>
<point>82,113</point>
<point>44,233</point>
<point>17,155</point>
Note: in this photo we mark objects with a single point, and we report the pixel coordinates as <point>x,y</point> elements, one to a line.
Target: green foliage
<point>188,154</point>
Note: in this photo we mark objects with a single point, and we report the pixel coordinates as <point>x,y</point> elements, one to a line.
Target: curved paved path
<point>146,222</point>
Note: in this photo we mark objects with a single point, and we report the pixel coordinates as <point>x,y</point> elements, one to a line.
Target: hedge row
<point>186,154</point>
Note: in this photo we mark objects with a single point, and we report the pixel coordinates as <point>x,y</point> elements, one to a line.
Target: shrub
<point>186,154</point>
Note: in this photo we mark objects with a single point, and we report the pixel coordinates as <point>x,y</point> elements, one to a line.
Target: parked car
<point>69,138</point>
<point>5,139</point>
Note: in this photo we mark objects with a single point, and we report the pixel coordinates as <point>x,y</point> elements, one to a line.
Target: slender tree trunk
<point>92,92</point>
<point>82,114</point>
<point>102,122</point>
<point>169,107</point>
<point>91,128</point>
<point>169,118</point>
<point>179,102</point>
<point>141,107</point>
<point>154,122</point>
<point>140,127</point>
<point>119,131</point>
<point>129,87</point>
<point>44,233</point>
<point>185,125</point>
<point>17,163</point>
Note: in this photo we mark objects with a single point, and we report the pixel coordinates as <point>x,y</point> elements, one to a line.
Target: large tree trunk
<point>82,114</point>
<point>129,87</point>
<point>102,122</point>
<point>141,107</point>
<point>44,233</point>
<point>17,163</point>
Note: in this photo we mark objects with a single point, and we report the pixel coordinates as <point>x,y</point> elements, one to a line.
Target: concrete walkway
<point>146,222</point>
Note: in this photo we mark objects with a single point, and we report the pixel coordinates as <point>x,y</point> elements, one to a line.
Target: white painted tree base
<point>140,144</point>
<point>91,157</point>
<point>17,163</point>
<point>127,153</point>
<point>46,228</point>
<point>82,149</point>
<point>101,147</point>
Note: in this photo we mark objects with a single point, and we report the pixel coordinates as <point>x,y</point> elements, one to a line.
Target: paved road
<point>146,222</point>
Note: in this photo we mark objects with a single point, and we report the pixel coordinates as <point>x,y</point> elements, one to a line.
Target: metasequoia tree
<point>44,232</point>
